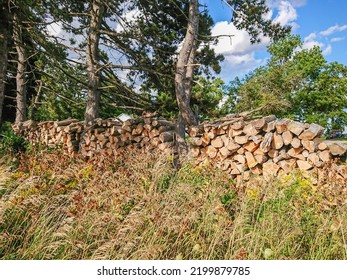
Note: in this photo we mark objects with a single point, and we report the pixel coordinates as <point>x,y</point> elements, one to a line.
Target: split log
<point>251,146</point>
<point>314,130</point>
<point>266,143</point>
<point>260,123</point>
<point>296,127</point>
<point>195,141</point>
<point>232,146</point>
<point>211,151</point>
<point>249,130</point>
<point>251,161</point>
<point>240,159</point>
<point>241,139</point>
<point>337,149</point>
<point>287,165</point>
<point>277,141</point>
<point>270,169</point>
<point>296,143</point>
<point>217,142</point>
<point>325,155</point>
<point>303,165</point>
<point>309,145</point>
<point>287,137</point>
<point>282,125</point>
<point>322,146</point>
<point>225,152</point>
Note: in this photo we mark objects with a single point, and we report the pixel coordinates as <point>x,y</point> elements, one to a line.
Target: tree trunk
<point>184,76</point>
<point>21,68</point>
<point>93,101</point>
<point>35,104</point>
<point>4,25</point>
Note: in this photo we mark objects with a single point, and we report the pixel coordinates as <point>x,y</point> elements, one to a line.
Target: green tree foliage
<point>297,83</point>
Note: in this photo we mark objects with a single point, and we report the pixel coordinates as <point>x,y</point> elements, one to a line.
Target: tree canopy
<point>297,83</point>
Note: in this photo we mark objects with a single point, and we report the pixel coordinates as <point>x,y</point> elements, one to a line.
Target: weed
<point>57,207</point>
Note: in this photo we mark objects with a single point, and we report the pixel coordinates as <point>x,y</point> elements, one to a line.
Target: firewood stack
<point>114,137</point>
<point>108,137</point>
<point>65,133</point>
<point>264,146</point>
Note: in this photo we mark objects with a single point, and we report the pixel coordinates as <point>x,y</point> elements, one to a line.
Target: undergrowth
<point>57,207</point>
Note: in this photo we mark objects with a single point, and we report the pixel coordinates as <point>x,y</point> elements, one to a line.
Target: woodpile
<point>64,133</point>
<point>108,137</point>
<point>265,146</point>
<point>237,144</point>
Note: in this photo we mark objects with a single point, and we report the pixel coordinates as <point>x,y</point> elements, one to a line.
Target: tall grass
<point>56,207</point>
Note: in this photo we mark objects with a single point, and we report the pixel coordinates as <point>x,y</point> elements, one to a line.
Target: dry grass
<point>56,207</point>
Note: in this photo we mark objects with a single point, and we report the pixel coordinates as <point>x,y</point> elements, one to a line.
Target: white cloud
<point>286,14</point>
<point>294,3</point>
<point>327,50</point>
<point>337,39</point>
<point>238,44</point>
<point>239,53</point>
<point>310,37</point>
<point>333,29</point>
<point>310,42</point>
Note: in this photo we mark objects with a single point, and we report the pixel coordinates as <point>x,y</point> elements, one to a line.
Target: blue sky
<point>318,22</point>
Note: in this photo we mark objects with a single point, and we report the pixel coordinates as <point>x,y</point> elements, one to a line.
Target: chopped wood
<point>251,161</point>
<point>296,127</point>
<point>322,146</point>
<point>287,165</point>
<point>309,145</point>
<point>266,143</point>
<point>260,123</point>
<point>249,130</point>
<point>282,125</point>
<point>232,146</point>
<point>240,158</point>
<point>238,125</point>
<point>195,141</point>
<point>273,153</point>
<point>314,130</point>
<point>287,137</point>
<point>225,152</point>
<point>313,159</point>
<point>270,169</point>
<point>304,165</point>
<point>217,142</point>
<point>277,141</point>
<point>260,158</point>
<point>241,151</point>
<point>251,146</point>
<point>241,139</point>
<point>296,143</point>
<point>269,127</point>
<point>211,151</point>
<point>225,138</point>
<point>337,149</point>
<point>256,170</point>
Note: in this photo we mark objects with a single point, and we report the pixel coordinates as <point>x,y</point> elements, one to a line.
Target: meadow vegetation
<point>57,207</point>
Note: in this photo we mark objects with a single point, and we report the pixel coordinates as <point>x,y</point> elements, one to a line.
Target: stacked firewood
<point>108,137</point>
<point>65,133</point>
<point>114,137</point>
<point>264,146</point>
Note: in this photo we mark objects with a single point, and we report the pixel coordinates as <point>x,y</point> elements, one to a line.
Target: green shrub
<point>11,143</point>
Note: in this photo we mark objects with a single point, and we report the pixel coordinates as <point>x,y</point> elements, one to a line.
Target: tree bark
<point>4,26</point>
<point>21,68</point>
<point>184,67</point>
<point>93,98</point>
<point>184,77</point>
